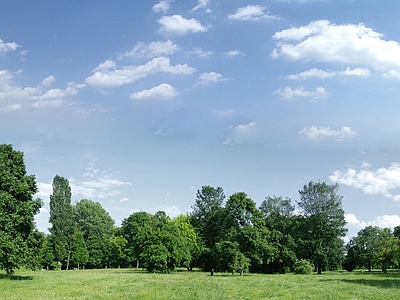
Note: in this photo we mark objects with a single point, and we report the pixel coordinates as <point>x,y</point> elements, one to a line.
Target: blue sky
<point>140,103</point>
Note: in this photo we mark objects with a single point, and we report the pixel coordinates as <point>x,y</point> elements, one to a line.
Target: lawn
<point>136,284</point>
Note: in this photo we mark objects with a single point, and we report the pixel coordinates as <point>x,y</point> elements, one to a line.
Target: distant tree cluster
<point>219,235</point>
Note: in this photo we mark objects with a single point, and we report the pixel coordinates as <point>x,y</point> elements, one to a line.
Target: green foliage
<point>17,209</point>
<point>80,254</point>
<point>62,228</point>
<point>146,234</point>
<point>229,258</point>
<point>96,226</point>
<point>303,266</point>
<point>323,225</point>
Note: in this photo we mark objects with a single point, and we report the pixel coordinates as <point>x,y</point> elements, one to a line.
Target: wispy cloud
<point>6,47</point>
<point>211,77</point>
<point>162,6</point>
<point>252,13</point>
<point>289,93</point>
<point>153,49</point>
<point>323,74</point>
<point>314,132</point>
<point>108,75</point>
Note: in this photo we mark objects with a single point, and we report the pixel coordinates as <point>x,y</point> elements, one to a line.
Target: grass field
<point>135,284</point>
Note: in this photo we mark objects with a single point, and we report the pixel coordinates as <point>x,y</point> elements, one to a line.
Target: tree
<point>364,247</point>
<point>96,226</point>
<point>62,228</point>
<point>278,215</point>
<point>17,208</point>
<point>80,254</point>
<point>325,225</point>
<point>387,248</point>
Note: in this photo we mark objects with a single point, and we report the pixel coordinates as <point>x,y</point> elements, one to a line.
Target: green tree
<point>387,248</point>
<point>80,254</point>
<point>116,251</point>
<point>61,218</point>
<point>324,223</point>
<point>47,252</point>
<point>17,208</point>
<point>364,247</point>
<point>229,258</point>
<point>278,214</point>
<point>97,227</point>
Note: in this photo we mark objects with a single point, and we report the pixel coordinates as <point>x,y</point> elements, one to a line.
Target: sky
<point>141,103</point>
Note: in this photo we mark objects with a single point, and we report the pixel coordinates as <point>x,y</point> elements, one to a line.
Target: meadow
<point>137,284</point>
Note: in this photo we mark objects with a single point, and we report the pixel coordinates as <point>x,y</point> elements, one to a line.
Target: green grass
<point>135,284</point>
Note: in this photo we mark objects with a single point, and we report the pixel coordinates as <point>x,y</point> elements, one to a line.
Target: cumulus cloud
<point>153,49</point>
<point>314,132</point>
<point>289,93</point>
<point>9,91</point>
<point>48,103</point>
<point>347,43</point>
<point>163,91</point>
<point>385,221</point>
<point>177,25</point>
<point>211,77</point>
<point>6,47</point>
<point>252,13</point>
<point>323,74</point>
<point>108,75</point>
<point>172,211</point>
<point>384,181</point>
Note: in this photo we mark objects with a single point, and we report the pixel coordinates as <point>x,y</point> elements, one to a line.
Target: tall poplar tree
<point>17,208</point>
<point>61,218</point>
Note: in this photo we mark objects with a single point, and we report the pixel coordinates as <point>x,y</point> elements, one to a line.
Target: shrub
<point>303,266</point>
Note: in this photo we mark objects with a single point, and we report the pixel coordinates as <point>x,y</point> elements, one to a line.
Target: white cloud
<point>11,107</point>
<point>172,211</point>
<point>225,113</point>
<point>48,81</point>
<point>323,74</point>
<point>314,132</point>
<point>6,47</point>
<point>153,49</point>
<point>108,75</point>
<point>347,43</point>
<point>211,77</point>
<point>163,91</point>
<point>232,53</point>
<point>201,53</point>
<point>163,132</point>
<point>177,25</point>
<point>289,93</point>
<point>252,13</point>
<point>201,4</point>
<point>104,186</point>
<point>241,133</point>
<point>385,221</point>
<point>385,181</point>
<point>44,191</point>
<point>161,6</point>
<point>57,93</point>
<point>48,103</point>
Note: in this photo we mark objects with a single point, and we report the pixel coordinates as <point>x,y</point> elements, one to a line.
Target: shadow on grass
<point>15,277</point>
<point>380,283</point>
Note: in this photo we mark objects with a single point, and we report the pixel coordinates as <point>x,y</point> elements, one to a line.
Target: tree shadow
<point>380,283</point>
<point>15,277</point>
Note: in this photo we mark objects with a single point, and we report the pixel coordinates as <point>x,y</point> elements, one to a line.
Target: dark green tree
<point>80,254</point>
<point>96,226</point>
<point>364,247</point>
<point>17,208</point>
<point>61,219</point>
<point>278,214</point>
<point>116,251</point>
<point>324,223</point>
<point>387,246</point>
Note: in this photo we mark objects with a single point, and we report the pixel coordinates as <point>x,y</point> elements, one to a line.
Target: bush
<point>303,266</point>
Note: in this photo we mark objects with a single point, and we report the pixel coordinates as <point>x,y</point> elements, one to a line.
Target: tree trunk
<point>384,267</point>
<point>319,270</point>
<point>68,258</point>
<point>137,264</point>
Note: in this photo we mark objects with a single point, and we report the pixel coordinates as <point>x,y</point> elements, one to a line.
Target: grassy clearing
<point>135,284</point>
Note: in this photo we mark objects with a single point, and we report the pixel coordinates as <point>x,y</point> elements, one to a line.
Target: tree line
<point>221,234</point>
